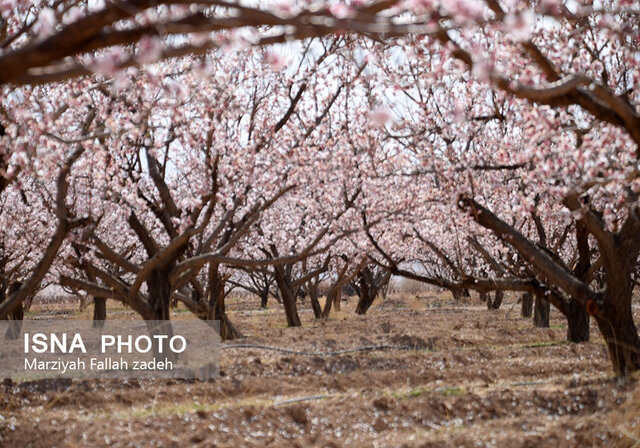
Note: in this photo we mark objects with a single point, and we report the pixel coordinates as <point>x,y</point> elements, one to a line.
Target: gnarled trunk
<point>288,296</point>
<point>367,286</point>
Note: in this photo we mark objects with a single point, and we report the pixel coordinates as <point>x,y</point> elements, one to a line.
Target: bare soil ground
<point>477,378</point>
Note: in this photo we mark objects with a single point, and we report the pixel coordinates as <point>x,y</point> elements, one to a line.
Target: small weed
<point>412,393</point>
<point>451,391</point>
<point>542,344</point>
<point>181,310</point>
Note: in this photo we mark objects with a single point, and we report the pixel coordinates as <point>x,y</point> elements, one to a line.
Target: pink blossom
<point>276,60</point>
<point>341,10</point>
<point>418,6</point>
<point>47,20</point>
<point>149,49</point>
<point>285,10</point>
<point>200,39</point>
<point>520,25</point>
<point>108,63</point>
<point>380,117</point>
<point>73,15</point>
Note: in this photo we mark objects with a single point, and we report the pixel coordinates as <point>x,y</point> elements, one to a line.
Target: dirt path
<point>479,378</point>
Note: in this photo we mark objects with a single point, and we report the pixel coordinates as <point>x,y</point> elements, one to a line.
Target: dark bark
<point>288,296</point>
<point>577,322</point>
<point>333,298</point>
<point>367,285</point>
<point>615,322</point>
<point>494,304</point>
<point>526,307</point>
<point>334,293</point>
<point>99,312</point>
<point>458,293</point>
<point>264,297</point>
<point>159,295</point>
<point>217,305</point>
<point>315,304</point>
<point>16,315</point>
<point>576,314</point>
<point>541,312</point>
<point>337,302</point>
<point>365,300</point>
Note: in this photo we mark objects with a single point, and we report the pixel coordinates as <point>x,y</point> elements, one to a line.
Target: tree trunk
<point>526,307</point>
<point>578,322</point>
<point>364,303</point>
<point>276,294</point>
<point>160,295</point>
<point>615,321</point>
<point>460,293</point>
<point>16,315</point>
<point>541,313</point>
<point>496,302</point>
<point>160,301</point>
<point>367,285</point>
<point>311,288</point>
<point>15,323</point>
<point>99,312</point>
<point>264,297</point>
<point>288,296</point>
<point>384,290</point>
<point>217,305</point>
<point>366,292</point>
<point>315,304</point>
<point>164,328</point>
<point>337,300</point>
<point>333,298</point>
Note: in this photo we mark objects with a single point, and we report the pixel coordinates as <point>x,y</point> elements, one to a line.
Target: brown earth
<point>477,378</point>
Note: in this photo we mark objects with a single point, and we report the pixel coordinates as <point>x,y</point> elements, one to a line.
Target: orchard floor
<point>479,378</point>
